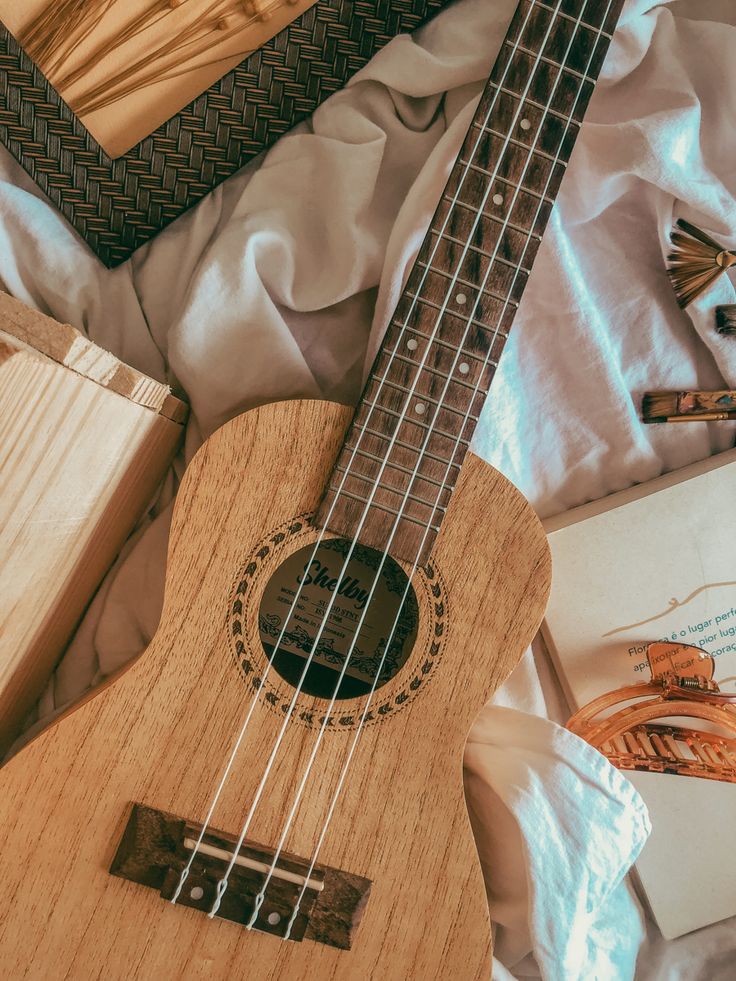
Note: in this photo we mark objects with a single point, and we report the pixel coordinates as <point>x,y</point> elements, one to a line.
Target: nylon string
<point>261,895</point>
<point>238,742</point>
<point>361,723</point>
<point>223,883</point>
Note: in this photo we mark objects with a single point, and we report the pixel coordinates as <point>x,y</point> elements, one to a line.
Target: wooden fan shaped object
<point>695,262</point>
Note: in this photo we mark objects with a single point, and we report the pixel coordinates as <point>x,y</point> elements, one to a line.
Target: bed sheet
<point>280,284</point>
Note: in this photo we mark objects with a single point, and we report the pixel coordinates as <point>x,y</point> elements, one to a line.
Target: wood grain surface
<point>84,444</point>
<point>69,347</point>
<point>160,734</point>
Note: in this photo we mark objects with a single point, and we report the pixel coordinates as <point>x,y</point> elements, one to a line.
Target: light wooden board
<point>21,326</point>
<point>83,446</point>
<point>160,734</point>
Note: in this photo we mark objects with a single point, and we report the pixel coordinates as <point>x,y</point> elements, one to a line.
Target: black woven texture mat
<point>118,205</point>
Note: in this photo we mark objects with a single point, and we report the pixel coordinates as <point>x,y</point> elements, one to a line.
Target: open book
<point>657,562</point>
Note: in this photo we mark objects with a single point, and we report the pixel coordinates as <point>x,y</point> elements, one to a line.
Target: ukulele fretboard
<point>395,474</point>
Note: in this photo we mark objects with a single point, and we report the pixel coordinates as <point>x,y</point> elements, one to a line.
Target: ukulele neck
<point>394,477</point>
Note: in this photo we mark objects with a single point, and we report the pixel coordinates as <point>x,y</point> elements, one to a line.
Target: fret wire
<point>433,371</point>
<point>583,76</point>
<point>550,61</point>
<point>494,218</point>
<point>408,315</point>
<point>449,344</point>
<point>365,715</point>
<point>528,101</point>
<point>572,111</point>
<point>428,398</point>
<point>480,290</point>
<point>405,446</point>
<point>569,17</point>
<point>427,526</point>
<point>384,507</point>
<point>520,143</point>
<point>399,467</point>
<point>459,281</point>
<point>410,420</point>
<point>477,248</point>
<point>487,173</point>
<point>455,313</point>
<point>392,490</point>
<point>507,182</point>
<point>531,150</point>
<point>456,278</point>
<point>435,329</point>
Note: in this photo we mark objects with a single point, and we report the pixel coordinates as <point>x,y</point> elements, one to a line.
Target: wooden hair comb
<point>644,732</point>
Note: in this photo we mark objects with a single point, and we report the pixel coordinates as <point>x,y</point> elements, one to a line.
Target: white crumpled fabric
<point>279,285</point>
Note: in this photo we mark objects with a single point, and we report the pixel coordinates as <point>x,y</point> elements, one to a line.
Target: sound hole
<point>377,623</point>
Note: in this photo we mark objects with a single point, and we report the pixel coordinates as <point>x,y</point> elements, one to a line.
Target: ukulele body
<point>160,734</point>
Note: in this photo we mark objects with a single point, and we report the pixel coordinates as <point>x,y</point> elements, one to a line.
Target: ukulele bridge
<point>156,847</point>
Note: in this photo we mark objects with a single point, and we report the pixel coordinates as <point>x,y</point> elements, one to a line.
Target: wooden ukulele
<point>274,789</point>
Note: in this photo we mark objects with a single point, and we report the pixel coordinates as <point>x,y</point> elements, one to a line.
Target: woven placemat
<point>118,205</point>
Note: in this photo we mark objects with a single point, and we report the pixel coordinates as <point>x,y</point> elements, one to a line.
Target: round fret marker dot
<point>464,368</point>
<point>461,298</point>
<point>197,893</point>
<point>498,198</point>
<point>412,344</point>
<point>525,124</point>
<point>273,918</point>
<point>420,408</point>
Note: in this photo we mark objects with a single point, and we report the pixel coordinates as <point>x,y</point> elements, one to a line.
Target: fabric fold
<point>566,828</point>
